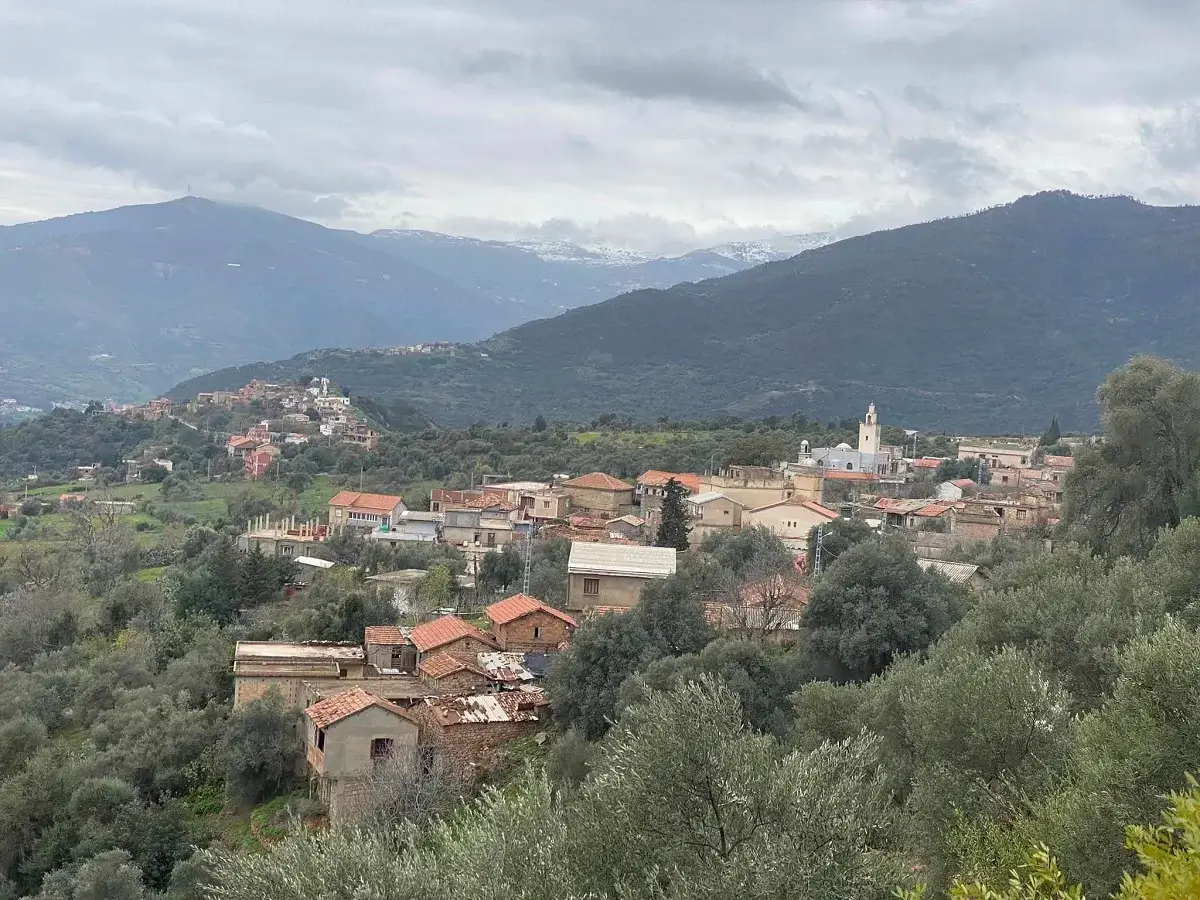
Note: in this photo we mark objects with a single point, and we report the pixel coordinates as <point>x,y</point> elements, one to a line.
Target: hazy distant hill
<point>549,277</point>
<point>996,320</point>
<point>123,303</point>
<point>126,302</point>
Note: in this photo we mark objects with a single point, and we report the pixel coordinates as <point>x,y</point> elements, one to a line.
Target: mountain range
<point>126,302</point>
<point>994,321</point>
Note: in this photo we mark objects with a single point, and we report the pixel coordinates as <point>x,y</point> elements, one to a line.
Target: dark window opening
<point>320,738</point>
<point>381,748</point>
<point>591,586</point>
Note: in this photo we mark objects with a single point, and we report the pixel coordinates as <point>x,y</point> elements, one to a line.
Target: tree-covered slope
<point>126,302</point>
<point>991,321</point>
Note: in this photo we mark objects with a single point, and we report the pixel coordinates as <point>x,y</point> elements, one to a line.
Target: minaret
<point>868,432</point>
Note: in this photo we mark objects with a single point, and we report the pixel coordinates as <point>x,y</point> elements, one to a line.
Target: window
<point>537,632</point>
<point>381,748</point>
<point>849,467</point>
<point>1020,513</point>
<point>491,541</point>
<point>320,738</point>
<point>545,504</point>
<point>591,586</point>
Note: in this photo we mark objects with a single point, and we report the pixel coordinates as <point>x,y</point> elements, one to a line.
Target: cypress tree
<point>673,528</point>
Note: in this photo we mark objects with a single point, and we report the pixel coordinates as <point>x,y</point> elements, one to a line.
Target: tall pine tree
<point>1051,435</point>
<point>673,527</point>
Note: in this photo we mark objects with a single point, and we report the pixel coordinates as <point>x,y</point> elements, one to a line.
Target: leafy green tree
<point>438,589</point>
<point>153,474</point>
<point>753,549</point>
<point>837,537</point>
<point>498,571</point>
<point>110,875</point>
<point>259,750</point>
<point>1144,474</point>
<point>875,603</point>
<point>673,526</point>
<point>539,423</point>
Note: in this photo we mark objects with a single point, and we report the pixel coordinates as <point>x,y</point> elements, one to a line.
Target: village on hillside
<point>462,681</point>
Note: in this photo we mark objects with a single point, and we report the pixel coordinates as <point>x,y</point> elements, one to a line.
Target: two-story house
<point>362,511</point>
<point>613,575</point>
<point>598,494</point>
<point>347,737</point>
<point>489,527</point>
<point>452,636</point>
<point>711,512</point>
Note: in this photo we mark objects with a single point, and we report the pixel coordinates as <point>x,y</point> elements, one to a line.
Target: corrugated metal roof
<point>314,562</point>
<point>617,559</point>
<point>957,572</point>
<point>513,706</point>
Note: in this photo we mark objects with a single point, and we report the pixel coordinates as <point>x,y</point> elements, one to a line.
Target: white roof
<point>957,572</point>
<point>415,515</point>
<point>314,562</point>
<point>266,650</point>
<point>621,559</point>
<point>709,497</point>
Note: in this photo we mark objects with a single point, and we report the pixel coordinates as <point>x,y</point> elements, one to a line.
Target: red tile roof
<point>932,511</point>
<point>818,508</point>
<point>379,502</point>
<point>444,631</point>
<point>325,712</point>
<point>963,483</point>
<point>927,462</point>
<point>239,440</point>
<point>656,478</point>
<point>1059,462</point>
<point>598,481</point>
<point>513,608</point>
<point>839,475</point>
<point>582,521</point>
<point>384,634</point>
<point>443,664</point>
<point>487,501</point>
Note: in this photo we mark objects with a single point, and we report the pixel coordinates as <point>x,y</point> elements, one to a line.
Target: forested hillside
<point>989,322</point>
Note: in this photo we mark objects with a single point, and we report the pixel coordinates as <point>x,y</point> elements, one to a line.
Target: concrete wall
<point>518,636</point>
<point>457,535</point>
<point>750,494</point>
<point>791,523</point>
<point>615,590</point>
<point>348,741</point>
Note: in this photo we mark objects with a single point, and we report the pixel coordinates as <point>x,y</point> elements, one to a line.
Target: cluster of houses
<point>448,687</point>
<point>462,688</point>
<point>305,413</point>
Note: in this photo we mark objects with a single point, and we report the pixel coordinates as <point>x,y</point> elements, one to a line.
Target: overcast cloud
<point>658,126</point>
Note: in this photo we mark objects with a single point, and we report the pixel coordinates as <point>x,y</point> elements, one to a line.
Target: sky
<point>658,126</point>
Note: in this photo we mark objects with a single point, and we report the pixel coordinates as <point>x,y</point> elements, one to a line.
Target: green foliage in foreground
<point>681,802</point>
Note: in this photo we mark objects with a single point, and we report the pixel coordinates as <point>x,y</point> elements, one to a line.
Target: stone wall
<point>518,636</point>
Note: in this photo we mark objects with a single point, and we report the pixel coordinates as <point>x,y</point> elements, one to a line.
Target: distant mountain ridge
<point>553,276</point>
<point>991,322</point>
<point>125,302</point>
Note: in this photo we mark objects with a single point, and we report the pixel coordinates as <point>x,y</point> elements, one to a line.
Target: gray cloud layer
<point>660,126</point>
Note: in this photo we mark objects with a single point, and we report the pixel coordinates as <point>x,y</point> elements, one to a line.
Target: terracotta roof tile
<point>656,478</point>
<point>598,481</point>
<point>513,608</point>
<point>442,664</point>
<point>384,634</point>
<point>927,462</point>
<point>445,630</point>
<point>1059,462</point>
<point>325,712</point>
<point>933,510</point>
<point>381,502</point>
<point>487,501</point>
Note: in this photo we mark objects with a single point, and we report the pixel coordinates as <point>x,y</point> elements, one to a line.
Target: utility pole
<point>817,561</point>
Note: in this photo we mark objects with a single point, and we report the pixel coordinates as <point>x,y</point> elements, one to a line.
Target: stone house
<point>613,575</point>
<point>445,674</point>
<point>711,512</point>
<point>452,636</point>
<point>347,736</point>
<point>520,623</point>
<point>355,509</point>
<point>599,494</point>
<point>468,732</point>
<point>790,520</point>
